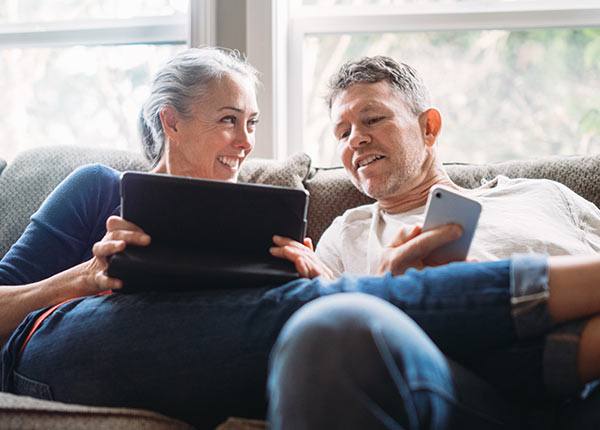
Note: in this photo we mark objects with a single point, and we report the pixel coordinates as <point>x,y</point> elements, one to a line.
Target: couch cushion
<point>332,193</point>
<point>20,412</point>
<point>290,172</point>
<point>27,181</point>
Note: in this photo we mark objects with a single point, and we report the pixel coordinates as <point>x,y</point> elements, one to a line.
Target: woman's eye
<point>344,134</point>
<point>229,119</point>
<point>253,122</point>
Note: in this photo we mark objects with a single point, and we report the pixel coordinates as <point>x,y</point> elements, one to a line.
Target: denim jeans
<point>203,356</point>
<point>356,362</point>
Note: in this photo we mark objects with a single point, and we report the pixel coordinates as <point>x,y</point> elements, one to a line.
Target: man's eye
<point>374,120</point>
<point>344,134</point>
<point>229,119</point>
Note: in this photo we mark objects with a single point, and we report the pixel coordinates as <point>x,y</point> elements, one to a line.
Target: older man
<point>387,140</point>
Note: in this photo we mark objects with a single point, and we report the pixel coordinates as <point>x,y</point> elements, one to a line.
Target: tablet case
<point>206,234</point>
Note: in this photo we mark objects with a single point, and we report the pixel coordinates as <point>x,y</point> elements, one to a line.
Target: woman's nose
<point>245,138</point>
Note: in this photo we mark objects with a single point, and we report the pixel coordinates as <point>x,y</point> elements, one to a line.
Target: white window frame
<point>290,25</point>
<point>197,28</point>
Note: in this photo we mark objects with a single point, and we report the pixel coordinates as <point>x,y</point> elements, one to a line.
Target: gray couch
<point>26,181</point>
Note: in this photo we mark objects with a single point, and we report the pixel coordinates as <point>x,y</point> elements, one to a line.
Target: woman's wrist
<point>74,282</point>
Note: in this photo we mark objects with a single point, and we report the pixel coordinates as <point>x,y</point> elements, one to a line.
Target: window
<point>513,79</point>
<point>77,71</point>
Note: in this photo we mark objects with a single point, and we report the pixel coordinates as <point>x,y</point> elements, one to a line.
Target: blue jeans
<point>355,362</point>
<point>203,356</point>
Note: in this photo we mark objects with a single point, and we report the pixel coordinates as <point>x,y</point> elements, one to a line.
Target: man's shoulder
<point>504,183</point>
<point>358,214</point>
<point>352,218</point>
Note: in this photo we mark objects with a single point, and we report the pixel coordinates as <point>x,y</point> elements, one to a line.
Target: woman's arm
<point>84,279</point>
<point>17,301</point>
<point>63,252</point>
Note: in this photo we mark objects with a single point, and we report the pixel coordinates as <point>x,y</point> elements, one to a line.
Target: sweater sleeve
<point>62,232</point>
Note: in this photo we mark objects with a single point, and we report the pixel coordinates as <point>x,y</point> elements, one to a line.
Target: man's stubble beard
<point>397,181</point>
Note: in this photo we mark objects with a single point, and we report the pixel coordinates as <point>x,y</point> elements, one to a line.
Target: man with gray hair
<point>387,140</point>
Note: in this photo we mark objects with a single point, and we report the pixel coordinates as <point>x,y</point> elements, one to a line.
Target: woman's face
<point>215,139</point>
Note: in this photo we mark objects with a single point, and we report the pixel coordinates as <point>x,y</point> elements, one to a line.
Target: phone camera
<point>438,195</point>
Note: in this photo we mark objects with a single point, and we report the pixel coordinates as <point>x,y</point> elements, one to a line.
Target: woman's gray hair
<point>401,77</point>
<point>180,83</point>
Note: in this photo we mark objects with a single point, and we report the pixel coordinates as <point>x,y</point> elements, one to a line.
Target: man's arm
<point>412,248</point>
<point>302,255</point>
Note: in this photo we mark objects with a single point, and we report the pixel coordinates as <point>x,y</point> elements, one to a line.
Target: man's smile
<point>366,160</point>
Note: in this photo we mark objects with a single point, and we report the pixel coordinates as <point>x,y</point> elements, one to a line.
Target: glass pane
<point>502,94</point>
<point>326,3</point>
<point>75,96</point>
<point>21,11</point>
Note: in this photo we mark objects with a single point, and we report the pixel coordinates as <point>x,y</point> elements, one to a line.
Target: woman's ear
<point>431,125</point>
<point>169,119</point>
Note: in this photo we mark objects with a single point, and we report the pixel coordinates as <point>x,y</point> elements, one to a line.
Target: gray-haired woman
<point>203,356</point>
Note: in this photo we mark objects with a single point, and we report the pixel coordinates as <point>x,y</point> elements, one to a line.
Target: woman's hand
<point>119,234</point>
<point>411,248</point>
<point>302,255</point>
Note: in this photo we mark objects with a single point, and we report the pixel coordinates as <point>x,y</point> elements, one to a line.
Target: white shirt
<point>518,215</point>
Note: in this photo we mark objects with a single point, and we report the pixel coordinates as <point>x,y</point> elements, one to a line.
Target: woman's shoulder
<point>91,182</point>
<point>95,172</point>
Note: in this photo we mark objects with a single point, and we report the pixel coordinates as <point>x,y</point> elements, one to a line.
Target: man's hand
<point>119,234</point>
<point>302,255</point>
<point>411,248</point>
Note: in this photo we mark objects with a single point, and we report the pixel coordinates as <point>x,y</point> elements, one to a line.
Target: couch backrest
<point>28,180</point>
<point>332,193</point>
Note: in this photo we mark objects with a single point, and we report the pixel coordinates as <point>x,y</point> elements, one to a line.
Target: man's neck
<point>416,196</point>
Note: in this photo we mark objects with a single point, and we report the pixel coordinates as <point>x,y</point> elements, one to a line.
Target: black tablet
<point>206,233</point>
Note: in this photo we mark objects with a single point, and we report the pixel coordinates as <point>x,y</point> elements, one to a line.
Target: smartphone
<point>445,206</point>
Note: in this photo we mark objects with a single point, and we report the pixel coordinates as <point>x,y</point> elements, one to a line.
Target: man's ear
<point>169,119</point>
<point>431,125</point>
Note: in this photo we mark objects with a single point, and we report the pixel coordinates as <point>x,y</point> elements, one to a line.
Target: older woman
<point>203,356</point>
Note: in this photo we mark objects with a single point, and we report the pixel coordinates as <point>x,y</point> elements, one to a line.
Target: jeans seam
<point>529,295</point>
<point>32,387</point>
<point>450,398</point>
<point>560,356</point>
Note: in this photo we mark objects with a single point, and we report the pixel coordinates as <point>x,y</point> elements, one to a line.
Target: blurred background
<point>504,93</point>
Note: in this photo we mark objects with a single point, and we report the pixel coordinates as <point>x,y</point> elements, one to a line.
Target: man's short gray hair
<point>400,76</point>
<point>181,82</point>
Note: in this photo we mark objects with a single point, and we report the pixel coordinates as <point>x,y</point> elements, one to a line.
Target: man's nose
<point>359,138</point>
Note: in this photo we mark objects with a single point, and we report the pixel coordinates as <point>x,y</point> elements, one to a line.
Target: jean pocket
<point>29,387</point>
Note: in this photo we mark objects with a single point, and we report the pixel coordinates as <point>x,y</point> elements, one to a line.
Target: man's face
<point>379,139</point>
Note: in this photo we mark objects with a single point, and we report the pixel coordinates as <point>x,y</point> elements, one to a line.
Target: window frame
<point>195,28</point>
<point>291,24</point>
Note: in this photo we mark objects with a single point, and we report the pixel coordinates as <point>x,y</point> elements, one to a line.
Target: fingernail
<point>275,237</point>
<point>272,250</point>
<point>145,238</point>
